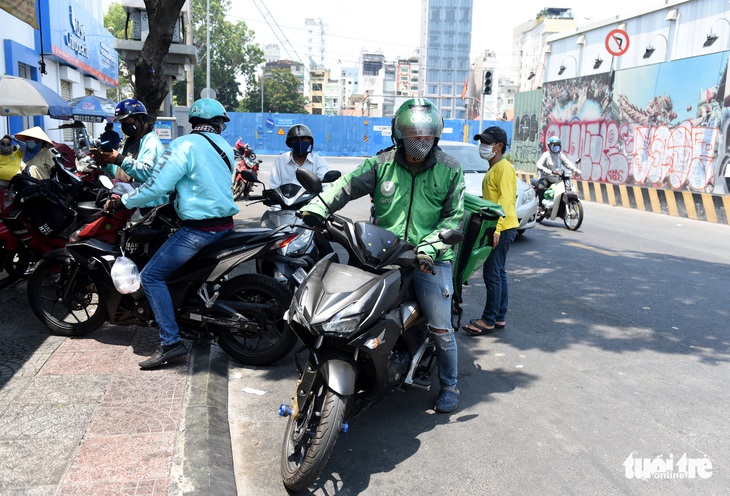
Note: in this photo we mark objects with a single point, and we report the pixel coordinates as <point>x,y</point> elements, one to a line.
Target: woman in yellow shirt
<point>11,159</point>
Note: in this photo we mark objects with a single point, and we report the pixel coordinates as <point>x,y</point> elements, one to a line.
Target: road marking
<point>597,250</point>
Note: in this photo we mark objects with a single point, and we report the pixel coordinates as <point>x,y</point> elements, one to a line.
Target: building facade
<point>71,52</point>
<point>444,50</point>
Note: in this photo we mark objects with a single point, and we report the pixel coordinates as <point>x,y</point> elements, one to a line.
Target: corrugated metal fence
<point>344,136</point>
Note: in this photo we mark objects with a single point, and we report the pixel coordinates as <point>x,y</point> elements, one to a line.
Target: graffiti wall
<point>663,125</point>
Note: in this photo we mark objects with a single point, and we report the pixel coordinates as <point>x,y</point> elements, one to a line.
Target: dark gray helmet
<point>298,131</point>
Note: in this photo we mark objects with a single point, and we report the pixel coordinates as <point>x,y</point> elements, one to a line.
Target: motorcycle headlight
<point>528,195</point>
<point>299,243</point>
<point>344,322</point>
<point>341,326</point>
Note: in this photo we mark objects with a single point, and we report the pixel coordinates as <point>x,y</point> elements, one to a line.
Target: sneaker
<point>164,354</point>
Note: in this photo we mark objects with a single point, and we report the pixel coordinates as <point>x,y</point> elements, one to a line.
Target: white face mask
<point>486,151</point>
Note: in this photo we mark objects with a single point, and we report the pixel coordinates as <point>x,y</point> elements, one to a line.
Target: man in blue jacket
<point>202,178</point>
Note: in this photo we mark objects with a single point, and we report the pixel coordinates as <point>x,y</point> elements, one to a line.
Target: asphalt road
<point>610,378</point>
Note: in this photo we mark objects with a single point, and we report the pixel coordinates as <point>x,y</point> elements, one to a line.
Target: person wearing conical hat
<point>37,157</point>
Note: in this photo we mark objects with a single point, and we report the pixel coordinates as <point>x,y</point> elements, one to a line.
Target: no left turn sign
<point>617,42</point>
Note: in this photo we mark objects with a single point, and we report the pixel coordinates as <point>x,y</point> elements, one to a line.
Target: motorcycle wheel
<point>252,156</point>
<point>14,269</point>
<point>273,339</point>
<point>573,217</point>
<point>310,439</point>
<point>238,190</point>
<point>81,313</point>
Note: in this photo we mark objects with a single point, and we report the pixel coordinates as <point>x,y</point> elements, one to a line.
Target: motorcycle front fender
<point>338,374</point>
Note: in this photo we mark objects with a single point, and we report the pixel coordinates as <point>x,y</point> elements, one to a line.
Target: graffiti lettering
<point>657,156</point>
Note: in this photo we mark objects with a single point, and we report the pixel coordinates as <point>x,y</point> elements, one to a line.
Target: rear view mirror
<point>106,182</point>
<point>331,176</point>
<point>309,181</point>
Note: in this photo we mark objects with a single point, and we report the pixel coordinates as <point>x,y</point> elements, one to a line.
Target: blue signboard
<point>269,122</point>
<point>81,41</point>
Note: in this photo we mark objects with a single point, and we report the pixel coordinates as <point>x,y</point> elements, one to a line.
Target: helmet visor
<point>418,120</point>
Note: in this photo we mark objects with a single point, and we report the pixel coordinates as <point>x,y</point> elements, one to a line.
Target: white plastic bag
<point>125,275</point>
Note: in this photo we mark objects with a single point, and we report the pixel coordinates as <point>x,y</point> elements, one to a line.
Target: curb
<point>208,466</point>
<point>686,204</point>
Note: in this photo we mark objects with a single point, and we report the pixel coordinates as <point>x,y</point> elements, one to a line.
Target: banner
<point>22,9</point>
<point>463,90</point>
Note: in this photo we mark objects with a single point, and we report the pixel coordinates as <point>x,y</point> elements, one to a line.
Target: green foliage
<point>281,94</point>
<point>233,54</point>
<point>114,20</point>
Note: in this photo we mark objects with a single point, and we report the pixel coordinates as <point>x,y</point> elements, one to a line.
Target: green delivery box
<point>478,225</point>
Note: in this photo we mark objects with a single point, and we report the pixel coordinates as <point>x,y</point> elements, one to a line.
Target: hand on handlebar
<point>313,220</point>
<point>425,263</point>
<point>114,204</point>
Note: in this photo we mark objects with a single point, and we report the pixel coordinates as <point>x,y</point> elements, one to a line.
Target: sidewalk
<point>78,416</point>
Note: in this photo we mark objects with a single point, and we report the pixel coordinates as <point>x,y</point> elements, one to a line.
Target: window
<point>447,90</point>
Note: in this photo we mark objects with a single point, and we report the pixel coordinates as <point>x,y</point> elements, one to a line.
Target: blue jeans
<point>172,255</point>
<point>434,293</point>
<point>495,280</point>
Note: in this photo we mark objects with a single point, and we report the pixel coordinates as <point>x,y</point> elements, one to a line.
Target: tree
<point>281,94</point>
<point>233,54</point>
<point>150,82</point>
<point>115,21</point>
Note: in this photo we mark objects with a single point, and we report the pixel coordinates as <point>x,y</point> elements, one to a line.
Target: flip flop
<point>480,329</point>
<point>500,325</point>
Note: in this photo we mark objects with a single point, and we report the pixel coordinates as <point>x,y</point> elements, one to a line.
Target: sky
<point>393,26</point>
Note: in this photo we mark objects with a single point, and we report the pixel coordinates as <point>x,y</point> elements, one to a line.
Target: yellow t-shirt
<point>500,186</point>
<point>10,165</point>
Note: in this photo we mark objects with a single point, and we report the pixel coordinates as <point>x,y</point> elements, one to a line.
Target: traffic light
<point>487,89</point>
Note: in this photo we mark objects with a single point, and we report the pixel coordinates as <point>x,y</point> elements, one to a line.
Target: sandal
<point>476,329</point>
<point>500,325</point>
<point>446,401</point>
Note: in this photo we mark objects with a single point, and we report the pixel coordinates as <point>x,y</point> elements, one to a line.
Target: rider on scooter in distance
<point>549,166</point>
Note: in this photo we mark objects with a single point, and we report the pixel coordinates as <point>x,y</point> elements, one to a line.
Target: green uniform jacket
<point>413,208</point>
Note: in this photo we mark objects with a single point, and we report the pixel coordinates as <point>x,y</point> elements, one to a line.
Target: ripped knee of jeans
<point>445,335</point>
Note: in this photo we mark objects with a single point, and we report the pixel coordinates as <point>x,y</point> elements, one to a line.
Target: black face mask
<point>129,128</point>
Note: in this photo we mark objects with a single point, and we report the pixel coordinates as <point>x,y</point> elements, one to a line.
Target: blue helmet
<point>553,144</point>
<point>207,109</point>
<point>128,107</point>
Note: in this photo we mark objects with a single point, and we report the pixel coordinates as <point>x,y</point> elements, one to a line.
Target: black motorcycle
<point>365,335</point>
<point>72,291</point>
<point>291,263</point>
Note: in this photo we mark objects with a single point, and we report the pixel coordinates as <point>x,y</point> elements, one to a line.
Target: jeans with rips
<point>172,255</point>
<point>434,293</point>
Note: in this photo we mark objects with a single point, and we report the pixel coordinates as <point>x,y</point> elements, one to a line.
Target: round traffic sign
<point>617,42</point>
<point>207,93</point>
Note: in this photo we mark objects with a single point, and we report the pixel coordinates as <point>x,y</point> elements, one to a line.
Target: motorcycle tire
<point>310,439</point>
<point>573,215</point>
<point>273,339</point>
<point>252,156</point>
<point>238,190</point>
<point>82,312</point>
<point>16,264</point>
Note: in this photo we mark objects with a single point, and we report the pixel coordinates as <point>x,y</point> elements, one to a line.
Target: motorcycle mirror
<point>331,176</point>
<point>106,182</point>
<point>451,236</point>
<point>309,181</point>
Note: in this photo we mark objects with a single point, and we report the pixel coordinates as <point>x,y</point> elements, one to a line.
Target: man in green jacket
<point>417,191</point>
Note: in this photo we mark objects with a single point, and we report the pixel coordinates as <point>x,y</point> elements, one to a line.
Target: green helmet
<point>417,117</point>
<point>207,109</point>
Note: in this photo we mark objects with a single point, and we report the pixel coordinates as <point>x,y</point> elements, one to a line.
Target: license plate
<point>299,275</point>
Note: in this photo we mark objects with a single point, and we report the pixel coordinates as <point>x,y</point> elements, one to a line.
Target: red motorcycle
<point>247,161</point>
<point>38,216</point>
